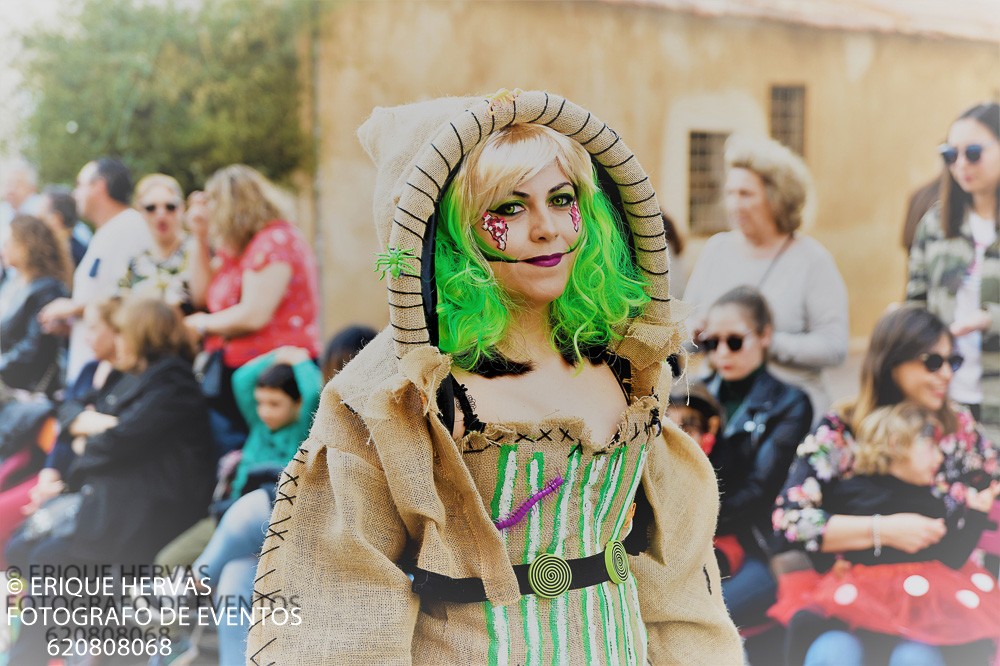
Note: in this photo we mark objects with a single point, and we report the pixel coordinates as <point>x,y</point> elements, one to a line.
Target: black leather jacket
<point>752,455</point>
<point>29,357</point>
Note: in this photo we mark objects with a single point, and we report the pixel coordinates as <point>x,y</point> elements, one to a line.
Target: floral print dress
<point>827,456</point>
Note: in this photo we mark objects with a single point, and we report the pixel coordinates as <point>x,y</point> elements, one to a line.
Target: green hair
<point>604,289</point>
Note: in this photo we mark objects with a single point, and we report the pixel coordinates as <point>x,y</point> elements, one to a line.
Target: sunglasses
<point>973,152</point>
<point>933,362</point>
<point>733,342</point>
<point>170,207</point>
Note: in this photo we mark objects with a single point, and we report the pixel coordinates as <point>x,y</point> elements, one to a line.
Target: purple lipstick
<point>545,261</point>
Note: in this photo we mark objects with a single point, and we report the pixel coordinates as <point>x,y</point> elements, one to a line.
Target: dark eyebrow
<point>523,195</point>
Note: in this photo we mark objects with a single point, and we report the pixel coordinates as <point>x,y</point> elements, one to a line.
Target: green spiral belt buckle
<point>549,576</point>
<point>616,562</point>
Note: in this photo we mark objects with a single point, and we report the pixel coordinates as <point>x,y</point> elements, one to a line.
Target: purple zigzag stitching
<point>522,511</point>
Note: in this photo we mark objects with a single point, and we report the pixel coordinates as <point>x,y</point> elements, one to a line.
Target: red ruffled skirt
<point>921,601</point>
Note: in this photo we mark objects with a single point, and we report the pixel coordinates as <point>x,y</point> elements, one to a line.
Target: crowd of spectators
<point>828,532</point>
<point>158,372</point>
<point>172,352</point>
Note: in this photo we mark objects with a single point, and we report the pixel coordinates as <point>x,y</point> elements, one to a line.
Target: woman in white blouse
<point>766,189</point>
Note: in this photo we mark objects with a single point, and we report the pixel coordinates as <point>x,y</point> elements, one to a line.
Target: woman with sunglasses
<point>955,260</point>
<point>162,271</point>
<point>766,193</point>
<point>765,420</point>
<point>911,356</point>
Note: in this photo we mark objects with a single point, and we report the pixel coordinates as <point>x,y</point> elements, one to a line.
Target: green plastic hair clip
<point>396,262</point>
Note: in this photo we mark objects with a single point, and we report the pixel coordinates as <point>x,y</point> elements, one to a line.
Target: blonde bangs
<point>152,180</point>
<point>517,154</point>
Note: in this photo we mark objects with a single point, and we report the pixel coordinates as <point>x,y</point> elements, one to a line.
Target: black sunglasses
<point>949,154</point>
<point>170,207</point>
<point>734,342</point>
<point>933,362</point>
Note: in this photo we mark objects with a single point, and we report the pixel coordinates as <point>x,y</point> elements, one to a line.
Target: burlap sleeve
<point>330,553</point>
<point>680,594</point>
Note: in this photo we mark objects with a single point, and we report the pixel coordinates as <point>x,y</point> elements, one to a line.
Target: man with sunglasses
<point>103,191</point>
<point>954,267</point>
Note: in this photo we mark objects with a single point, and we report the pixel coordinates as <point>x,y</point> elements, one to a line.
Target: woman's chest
<point>593,397</point>
<point>548,488</point>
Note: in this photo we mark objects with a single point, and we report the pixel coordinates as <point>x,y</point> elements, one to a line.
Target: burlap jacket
<point>937,267</point>
<point>381,478</point>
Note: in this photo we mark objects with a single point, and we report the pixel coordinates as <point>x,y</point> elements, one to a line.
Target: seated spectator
<point>277,394</point>
<point>766,191</point>
<point>144,455</point>
<point>257,276</point>
<point>933,605</point>
<point>765,419</point>
<point>144,448</point>
<point>911,356</point>
<point>230,558</point>
<point>30,357</point>
<point>97,376</point>
<point>699,415</point>
<point>163,270</point>
<point>27,432</point>
<point>59,212</point>
<point>103,191</point>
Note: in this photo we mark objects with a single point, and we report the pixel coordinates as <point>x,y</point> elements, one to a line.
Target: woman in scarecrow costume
<point>490,481</point>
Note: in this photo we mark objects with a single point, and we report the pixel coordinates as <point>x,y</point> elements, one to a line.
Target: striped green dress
<point>510,463</point>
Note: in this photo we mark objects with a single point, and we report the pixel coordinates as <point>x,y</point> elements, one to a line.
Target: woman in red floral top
<point>256,275</point>
<point>910,356</point>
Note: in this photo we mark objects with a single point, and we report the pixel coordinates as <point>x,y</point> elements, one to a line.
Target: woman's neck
<point>744,382</point>
<point>165,251</point>
<point>766,244</point>
<point>985,205</point>
<point>527,340</point>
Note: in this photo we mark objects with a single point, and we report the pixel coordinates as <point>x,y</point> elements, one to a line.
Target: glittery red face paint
<point>496,227</point>
<point>574,214</point>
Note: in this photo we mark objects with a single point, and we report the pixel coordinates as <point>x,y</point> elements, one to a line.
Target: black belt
<point>549,575</point>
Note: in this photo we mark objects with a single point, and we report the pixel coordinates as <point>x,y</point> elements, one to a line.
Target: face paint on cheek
<point>496,227</point>
<point>574,214</point>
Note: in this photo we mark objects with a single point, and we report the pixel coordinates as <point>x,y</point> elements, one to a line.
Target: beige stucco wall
<point>877,105</point>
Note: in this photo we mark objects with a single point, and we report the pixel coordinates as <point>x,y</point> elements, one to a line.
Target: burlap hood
<point>417,147</point>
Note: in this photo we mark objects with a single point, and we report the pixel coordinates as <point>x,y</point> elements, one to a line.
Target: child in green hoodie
<point>277,393</point>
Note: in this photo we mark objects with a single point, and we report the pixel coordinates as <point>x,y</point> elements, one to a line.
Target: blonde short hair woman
<point>766,192</point>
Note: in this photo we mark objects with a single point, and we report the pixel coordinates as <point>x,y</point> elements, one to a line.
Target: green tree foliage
<point>169,88</point>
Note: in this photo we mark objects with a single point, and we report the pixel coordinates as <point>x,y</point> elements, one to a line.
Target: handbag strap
<point>44,384</point>
<point>774,260</point>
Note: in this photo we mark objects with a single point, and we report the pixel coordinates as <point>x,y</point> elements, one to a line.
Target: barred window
<point>706,175</point>
<point>788,116</point>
